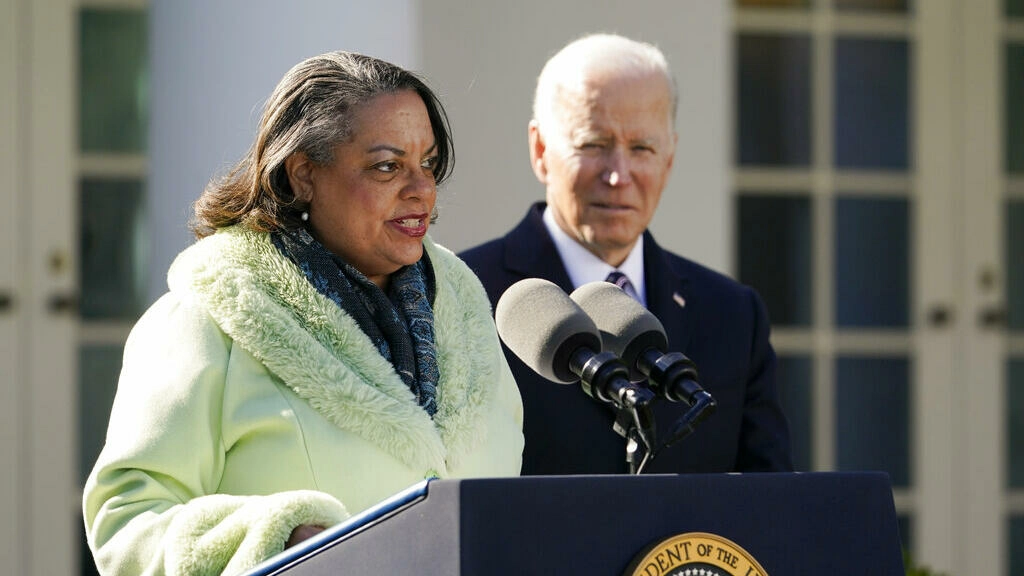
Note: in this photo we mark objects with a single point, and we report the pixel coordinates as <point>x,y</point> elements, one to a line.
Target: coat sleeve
<point>150,504</point>
<point>764,440</point>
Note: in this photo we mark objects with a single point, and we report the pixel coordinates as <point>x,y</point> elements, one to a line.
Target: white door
<point>10,291</point>
<point>37,278</point>
<point>879,156</point>
<point>992,351</point>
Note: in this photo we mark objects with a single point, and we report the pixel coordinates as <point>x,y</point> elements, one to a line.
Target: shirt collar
<point>583,267</point>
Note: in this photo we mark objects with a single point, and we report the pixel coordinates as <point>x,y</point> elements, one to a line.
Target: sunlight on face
<point>607,158</point>
<point>372,206</point>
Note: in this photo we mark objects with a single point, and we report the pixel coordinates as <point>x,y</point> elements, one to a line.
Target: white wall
<point>12,440</point>
<point>214,63</point>
<point>213,66</point>
<point>483,58</point>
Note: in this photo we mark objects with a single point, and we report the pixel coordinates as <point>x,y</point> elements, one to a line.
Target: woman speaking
<point>316,352</point>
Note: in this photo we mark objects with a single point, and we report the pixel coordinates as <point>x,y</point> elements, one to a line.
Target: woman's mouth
<point>414,225</point>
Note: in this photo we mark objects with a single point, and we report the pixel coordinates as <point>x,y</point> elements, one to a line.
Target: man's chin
<point>608,247</point>
<point>616,241</point>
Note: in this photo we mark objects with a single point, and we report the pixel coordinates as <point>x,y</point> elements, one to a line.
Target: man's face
<point>605,158</point>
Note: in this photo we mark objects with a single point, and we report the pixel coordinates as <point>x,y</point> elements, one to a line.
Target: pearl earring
<point>305,216</point>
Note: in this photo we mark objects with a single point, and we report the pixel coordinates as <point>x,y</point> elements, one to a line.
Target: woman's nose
<point>420,184</point>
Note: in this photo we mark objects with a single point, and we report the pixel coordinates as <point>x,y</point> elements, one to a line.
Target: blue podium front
<point>657,525</point>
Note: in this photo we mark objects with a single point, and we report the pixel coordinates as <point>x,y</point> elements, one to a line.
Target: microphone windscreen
<point>543,327</point>
<point>626,327</point>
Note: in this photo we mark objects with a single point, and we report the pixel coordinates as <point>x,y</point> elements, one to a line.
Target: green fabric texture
<point>249,404</point>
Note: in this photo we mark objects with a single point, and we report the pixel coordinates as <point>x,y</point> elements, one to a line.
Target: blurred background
<point>859,162</point>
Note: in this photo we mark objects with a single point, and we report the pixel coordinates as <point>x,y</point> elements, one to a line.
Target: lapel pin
<point>679,300</point>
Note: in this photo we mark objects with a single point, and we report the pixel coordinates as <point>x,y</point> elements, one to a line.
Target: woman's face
<point>372,206</point>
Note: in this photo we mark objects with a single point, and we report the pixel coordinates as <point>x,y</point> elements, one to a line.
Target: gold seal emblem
<point>694,554</point>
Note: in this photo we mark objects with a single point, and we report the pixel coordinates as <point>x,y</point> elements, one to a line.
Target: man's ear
<point>300,176</point>
<point>537,147</point>
<point>675,146</point>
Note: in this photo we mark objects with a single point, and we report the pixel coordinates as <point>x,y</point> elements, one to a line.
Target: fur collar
<point>264,303</point>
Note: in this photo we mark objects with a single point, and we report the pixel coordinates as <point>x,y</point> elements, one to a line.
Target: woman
<point>316,352</point>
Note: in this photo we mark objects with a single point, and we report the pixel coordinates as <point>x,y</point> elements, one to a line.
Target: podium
<point>787,524</point>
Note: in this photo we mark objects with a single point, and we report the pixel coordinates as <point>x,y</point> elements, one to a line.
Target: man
<point>602,141</point>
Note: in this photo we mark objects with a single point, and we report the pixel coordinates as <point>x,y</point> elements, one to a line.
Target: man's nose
<point>617,170</point>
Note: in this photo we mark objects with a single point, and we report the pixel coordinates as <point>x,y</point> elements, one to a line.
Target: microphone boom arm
<point>605,378</point>
<point>702,407</point>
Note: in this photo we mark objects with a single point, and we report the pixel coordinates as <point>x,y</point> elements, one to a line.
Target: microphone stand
<point>605,378</point>
<point>629,423</point>
<point>676,378</point>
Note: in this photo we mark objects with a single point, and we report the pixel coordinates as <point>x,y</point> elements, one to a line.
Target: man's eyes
<point>597,146</point>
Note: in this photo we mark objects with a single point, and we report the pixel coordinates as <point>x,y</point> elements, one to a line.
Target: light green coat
<point>249,404</point>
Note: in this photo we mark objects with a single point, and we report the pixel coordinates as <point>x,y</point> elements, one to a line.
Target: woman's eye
<point>387,167</point>
<point>429,163</point>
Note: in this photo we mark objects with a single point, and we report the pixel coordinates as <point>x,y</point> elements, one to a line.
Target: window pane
<point>1016,546</point>
<point>873,5</point>
<point>774,99</point>
<point>872,262</point>
<point>1014,137</point>
<point>775,254</point>
<point>794,378</point>
<point>1015,8</point>
<point>112,80</point>
<point>773,3</point>
<point>1015,422</point>
<point>88,565</point>
<point>1015,264</point>
<point>111,244</point>
<point>98,370</point>
<point>871,103</point>
<point>873,416</point>
<point>905,525</point>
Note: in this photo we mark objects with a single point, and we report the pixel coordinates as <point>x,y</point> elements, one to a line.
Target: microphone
<point>551,334</point>
<point>634,334</point>
<point>543,327</point>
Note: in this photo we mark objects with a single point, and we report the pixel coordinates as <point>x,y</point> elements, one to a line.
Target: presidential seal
<point>694,554</point>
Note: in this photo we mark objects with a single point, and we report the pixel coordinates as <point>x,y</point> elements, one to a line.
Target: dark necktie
<point>622,281</point>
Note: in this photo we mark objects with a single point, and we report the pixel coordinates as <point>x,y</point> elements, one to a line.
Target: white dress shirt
<point>584,267</point>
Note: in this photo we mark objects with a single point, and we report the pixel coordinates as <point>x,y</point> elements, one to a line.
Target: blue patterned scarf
<point>400,323</point>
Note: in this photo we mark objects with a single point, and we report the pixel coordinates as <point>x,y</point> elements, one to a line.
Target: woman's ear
<point>300,176</point>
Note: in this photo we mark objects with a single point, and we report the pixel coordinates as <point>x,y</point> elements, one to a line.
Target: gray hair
<point>571,65</point>
<point>310,111</point>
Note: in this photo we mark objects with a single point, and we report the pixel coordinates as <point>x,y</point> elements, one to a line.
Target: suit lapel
<point>669,295</point>
<point>530,252</point>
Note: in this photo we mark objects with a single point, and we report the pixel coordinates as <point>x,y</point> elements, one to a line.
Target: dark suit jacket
<point>723,328</point>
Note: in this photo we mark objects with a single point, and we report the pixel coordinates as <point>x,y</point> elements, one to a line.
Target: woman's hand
<point>303,532</point>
